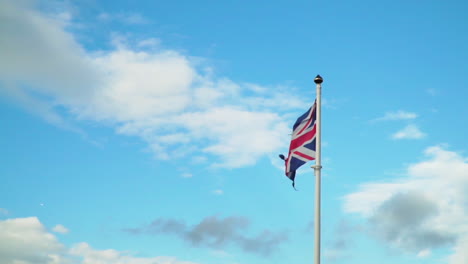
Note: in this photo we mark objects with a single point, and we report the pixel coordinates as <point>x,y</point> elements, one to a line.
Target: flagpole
<point>318,167</point>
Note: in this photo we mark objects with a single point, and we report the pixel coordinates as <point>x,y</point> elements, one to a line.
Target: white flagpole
<point>318,167</point>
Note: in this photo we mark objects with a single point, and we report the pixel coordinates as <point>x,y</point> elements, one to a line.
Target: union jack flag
<point>302,147</point>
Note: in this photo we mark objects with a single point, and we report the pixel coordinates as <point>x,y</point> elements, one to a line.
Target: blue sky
<point>148,132</point>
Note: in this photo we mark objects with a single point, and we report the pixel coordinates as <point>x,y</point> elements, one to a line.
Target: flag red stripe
<point>301,140</point>
<point>303,155</point>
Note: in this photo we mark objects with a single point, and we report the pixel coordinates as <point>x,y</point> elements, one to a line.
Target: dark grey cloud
<point>342,240</point>
<point>216,233</point>
<point>159,226</point>
<point>264,243</point>
<point>342,235</point>
<point>402,220</point>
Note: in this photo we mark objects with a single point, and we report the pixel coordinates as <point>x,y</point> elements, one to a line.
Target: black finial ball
<point>318,79</point>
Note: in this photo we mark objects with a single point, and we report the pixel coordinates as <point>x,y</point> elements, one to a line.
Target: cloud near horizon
<point>27,241</point>
<point>169,100</point>
<point>216,233</point>
<point>423,211</point>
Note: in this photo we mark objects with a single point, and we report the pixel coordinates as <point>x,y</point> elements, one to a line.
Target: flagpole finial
<point>318,79</point>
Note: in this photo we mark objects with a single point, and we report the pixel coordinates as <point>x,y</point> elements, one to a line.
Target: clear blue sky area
<point>149,131</point>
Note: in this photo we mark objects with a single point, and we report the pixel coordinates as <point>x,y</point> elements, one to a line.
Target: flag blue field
<point>145,131</point>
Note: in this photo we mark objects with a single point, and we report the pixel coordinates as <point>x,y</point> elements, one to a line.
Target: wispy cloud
<point>409,132</point>
<point>423,211</point>
<point>432,91</point>
<point>342,239</point>
<point>187,175</point>
<point>149,43</point>
<point>162,96</point>
<point>424,253</point>
<point>134,19</point>
<point>218,192</point>
<point>215,233</point>
<point>60,229</point>
<point>398,115</point>
<point>127,18</point>
<point>4,211</point>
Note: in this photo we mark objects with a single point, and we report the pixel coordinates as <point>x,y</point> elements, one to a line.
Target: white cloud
<point>398,115</point>
<point>239,137</point>
<point>56,64</point>
<point>461,252</point>
<point>26,241</point>
<point>139,87</point>
<point>161,96</point>
<point>409,132</point>
<point>425,210</point>
<point>60,229</point>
